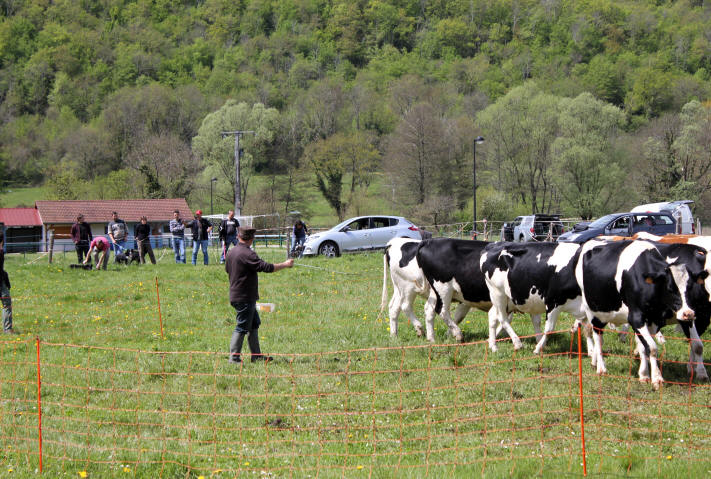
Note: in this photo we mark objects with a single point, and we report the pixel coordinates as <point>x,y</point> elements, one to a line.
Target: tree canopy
<point>99,90</point>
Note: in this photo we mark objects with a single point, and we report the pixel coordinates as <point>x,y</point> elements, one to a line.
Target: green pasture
<point>341,399</point>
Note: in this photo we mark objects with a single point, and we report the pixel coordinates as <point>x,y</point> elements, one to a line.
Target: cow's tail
<point>384,296</point>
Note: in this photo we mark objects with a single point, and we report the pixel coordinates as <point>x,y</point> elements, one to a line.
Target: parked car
<point>507,232</point>
<point>537,227</point>
<point>680,210</point>
<point>622,224</point>
<point>360,233</point>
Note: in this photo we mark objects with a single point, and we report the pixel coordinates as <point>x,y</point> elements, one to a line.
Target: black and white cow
<point>533,278</point>
<point>630,282</point>
<point>408,281</point>
<point>451,267</point>
<point>697,261</point>
<point>693,283</point>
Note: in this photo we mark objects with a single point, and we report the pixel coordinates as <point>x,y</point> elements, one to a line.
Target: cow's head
<point>690,269</point>
<point>656,287</point>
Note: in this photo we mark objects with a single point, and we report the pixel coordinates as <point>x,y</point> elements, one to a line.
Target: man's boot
<point>236,347</point>
<point>254,347</point>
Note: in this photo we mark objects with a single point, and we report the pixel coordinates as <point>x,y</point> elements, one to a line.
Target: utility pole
<point>478,140</point>
<point>238,192</point>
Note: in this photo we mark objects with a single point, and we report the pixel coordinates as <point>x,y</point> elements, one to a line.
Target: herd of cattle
<point>645,283</point>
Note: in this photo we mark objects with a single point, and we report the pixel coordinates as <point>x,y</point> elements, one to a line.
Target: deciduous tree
<point>217,152</point>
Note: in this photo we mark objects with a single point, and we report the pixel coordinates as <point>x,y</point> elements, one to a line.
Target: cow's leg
<point>447,317</point>
<point>429,315</point>
<point>587,332</point>
<point>696,351</point>
<point>536,321</point>
<point>509,329</point>
<point>406,303</point>
<point>493,315</point>
<point>551,318</point>
<point>394,311</point>
<point>622,333</point>
<point>650,348</point>
<point>461,312</point>
<point>597,359</point>
<point>643,372</point>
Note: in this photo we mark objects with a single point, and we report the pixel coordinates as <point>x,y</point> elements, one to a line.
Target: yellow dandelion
<point>83,474</point>
<point>359,467</point>
<point>246,463</point>
<point>126,469</point>
<point>669,458</point>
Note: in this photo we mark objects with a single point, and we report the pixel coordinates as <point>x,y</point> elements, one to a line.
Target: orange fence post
<point>160,316</point>
<point>39,404</point>
<point>580,384</point>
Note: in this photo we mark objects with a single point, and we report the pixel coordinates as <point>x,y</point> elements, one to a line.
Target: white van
<point>679,209</point>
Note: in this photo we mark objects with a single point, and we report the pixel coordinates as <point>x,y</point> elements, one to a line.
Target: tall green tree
<point>520,129</point>
<point>217,152</point>
<point>337,159</point>
<point>589,173</point>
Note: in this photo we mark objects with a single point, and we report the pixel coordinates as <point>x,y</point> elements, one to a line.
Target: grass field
<point>342,399</point>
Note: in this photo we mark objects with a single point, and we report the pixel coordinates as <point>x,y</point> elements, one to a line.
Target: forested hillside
<point>585,106</point>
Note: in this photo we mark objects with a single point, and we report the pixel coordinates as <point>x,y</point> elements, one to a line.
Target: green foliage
<point>522,127</point>
<point>334,159</point>
<point>132,71</point>
<point>217,151</point>
<point>589,173</point>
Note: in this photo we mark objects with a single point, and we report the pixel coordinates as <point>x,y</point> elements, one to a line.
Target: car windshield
<point>602,222</point>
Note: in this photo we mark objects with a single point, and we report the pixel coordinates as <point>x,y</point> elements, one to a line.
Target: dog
<point>81,266</point>
<point>128,257</point>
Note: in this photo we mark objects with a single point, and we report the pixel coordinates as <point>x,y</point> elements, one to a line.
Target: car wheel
<point>328,249</point>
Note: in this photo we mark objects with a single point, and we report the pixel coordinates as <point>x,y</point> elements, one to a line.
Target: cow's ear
<point>700,279</point>
<point>649,280</point>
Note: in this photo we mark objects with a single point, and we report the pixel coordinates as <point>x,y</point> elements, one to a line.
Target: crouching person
<point>5,292</point>
<point>100,247</point>
<point>242,266</point>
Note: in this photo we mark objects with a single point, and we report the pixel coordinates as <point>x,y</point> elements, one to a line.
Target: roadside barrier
<point>429,410</point>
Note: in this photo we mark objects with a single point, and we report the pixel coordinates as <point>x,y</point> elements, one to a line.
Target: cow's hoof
<point>537,350</point>
<point>657,383</point>
<point>494,348</point>
<point>703,377</point>
<point>419,332</point>
<point>517,345</point>
<point>431,340</point>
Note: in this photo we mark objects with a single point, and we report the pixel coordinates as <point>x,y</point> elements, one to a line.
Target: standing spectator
<point>201,234</point>
<point>143,238</point>
<point>242,267</point>
<point>177,229</point>
<point>100,247</point>
<point>298,236</point>
<point>118,232</point>
<point>5,292</point>
<point>228,233</point>
<point>81,235</point>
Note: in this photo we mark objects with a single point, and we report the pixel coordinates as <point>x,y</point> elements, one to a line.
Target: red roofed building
<point>59,216</point>
<point>22,228</point>
<point>32,225</point>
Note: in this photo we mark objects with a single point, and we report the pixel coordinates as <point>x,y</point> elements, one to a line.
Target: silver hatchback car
<point>360,233</point>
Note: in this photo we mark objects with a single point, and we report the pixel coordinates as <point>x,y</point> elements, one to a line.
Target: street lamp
<point>212,181</point>
<point>478,140</point>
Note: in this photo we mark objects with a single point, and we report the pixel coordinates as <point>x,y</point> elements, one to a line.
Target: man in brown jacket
<point>242,266</point>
